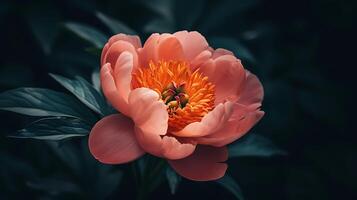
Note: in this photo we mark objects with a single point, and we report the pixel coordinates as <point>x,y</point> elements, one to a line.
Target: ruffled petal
<point>221,52</point>
<point>133,40</point>
<point>151,123</point>
<point>227,74</point>
<point>110,89</point>
<point>116,49</point>
<point>148,52</point>
<point>193,43</point>
<point>205,164</point>
<point>200,59</point>
<point>112,140</point>
<point>174,149</point>
<point>169,49</point>
<point>150,118</point>
<point>117,85</point>
<point>252,91</point>
<point>210,123</point>
<point>241,121</point>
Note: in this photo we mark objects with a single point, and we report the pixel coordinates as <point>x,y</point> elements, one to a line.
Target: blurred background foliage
<point>301,50</point>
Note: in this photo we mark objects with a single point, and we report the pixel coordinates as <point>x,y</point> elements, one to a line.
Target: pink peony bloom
<point>179,99</point>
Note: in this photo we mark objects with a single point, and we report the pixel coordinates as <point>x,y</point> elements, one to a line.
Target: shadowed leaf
<point>173,179</point>
<point>85,92</point>
<point>56,128</point>
<point>230,184</point>
<point>43,102</point>
<point>92,35</point>
<point>254,145</point>
<point>114,25</point>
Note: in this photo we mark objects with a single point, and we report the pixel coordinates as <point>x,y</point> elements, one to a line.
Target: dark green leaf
<point>173,179</point>
<point>230,184</point>
<point>114,25</point>
<point>85,92</point>
<point>96,80</point>
<point>254,145</point>
<point>43,102</point>
<point>92,35</point>
<point>56,128</point>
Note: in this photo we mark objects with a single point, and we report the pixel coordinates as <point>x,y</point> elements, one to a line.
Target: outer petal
<point>110,90</point>
<point>133,40</point>
<point>161,47</point>
<point>193,43</point>
<point>151,122</point>
<point>169,49</point>
<point>210,123</point>
<point>205,164</point>
<point>116,49</point>
<point>227,73</point>
<point>252,91</point>
<point>117,85</point>
<point>148,52</point>
<point>200,59</point>
<point>112,140</point>
<point>221,52</point>
<point>241,121</point>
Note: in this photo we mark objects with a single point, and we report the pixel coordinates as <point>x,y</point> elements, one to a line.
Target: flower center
<point>188,95</point>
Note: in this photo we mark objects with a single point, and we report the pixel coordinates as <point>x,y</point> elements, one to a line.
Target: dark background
<point>303,52</point>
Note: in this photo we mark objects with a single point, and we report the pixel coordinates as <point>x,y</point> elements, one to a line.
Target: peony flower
<point>179,99</point>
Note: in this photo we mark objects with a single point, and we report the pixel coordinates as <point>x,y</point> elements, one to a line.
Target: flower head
<point>180,100</point>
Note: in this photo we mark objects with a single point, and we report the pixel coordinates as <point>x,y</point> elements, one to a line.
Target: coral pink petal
<point>110,90</point>
<point>148,52</point>
<point>205,164</point>
<point>151,123</point>
<point>150,118</point>
<point>115,50</point>
<point>112,140</point>
<point>122,74</point>
<point>252,91</point>
<point>241,121</point>
<point>193,43</point>
<point>169,49</point>
<point>211,122</point>
<point>133,40</point>
<point>227,74</point>
<point>174,149</point>
<point>221,52</point>
<point>200,59</point>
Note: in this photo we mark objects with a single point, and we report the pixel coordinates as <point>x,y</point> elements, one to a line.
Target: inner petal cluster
<point>188,95</point>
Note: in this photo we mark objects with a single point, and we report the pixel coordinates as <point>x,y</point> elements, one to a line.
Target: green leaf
<point>230,184</point>
<point>173,179</point>
<point>55,128</point>
<point>254,145</point>
<point>85,92</point>
<point>114,25</point>
<point>43,102</point>
<point>96,80</point>
<point>92,35</point>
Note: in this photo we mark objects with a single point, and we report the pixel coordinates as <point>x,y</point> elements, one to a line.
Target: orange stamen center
<point>188,95</point>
